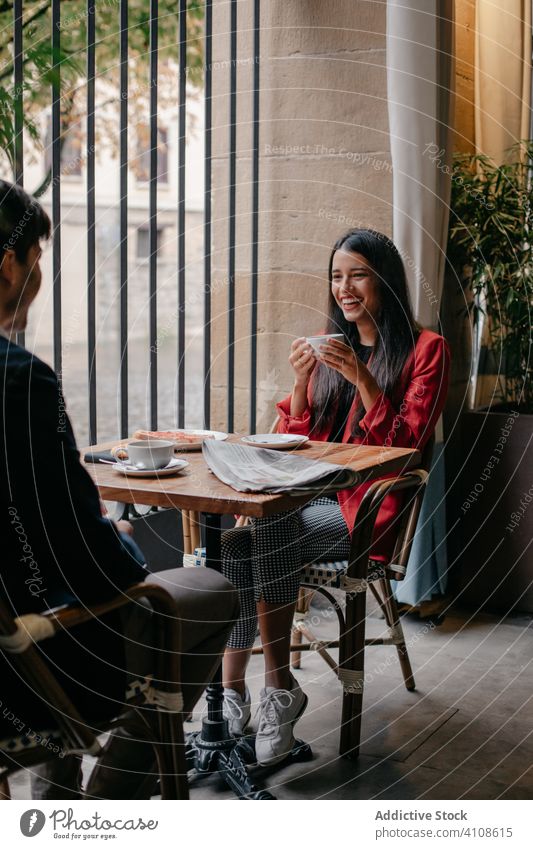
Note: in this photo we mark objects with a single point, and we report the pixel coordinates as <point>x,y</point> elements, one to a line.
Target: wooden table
<point>197,489</point>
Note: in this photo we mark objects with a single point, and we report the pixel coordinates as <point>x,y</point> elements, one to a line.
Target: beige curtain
<point>502,75</point>
<point>420,80</point>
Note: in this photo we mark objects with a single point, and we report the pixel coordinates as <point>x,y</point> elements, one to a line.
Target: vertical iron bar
<point>123,267</point>
<point>181,207</point>
<point>255,220</point>
<point>91,244</point>
<point>154,13</point>
<point>231,219</point>
<point>56,187</point>
<point>207,210</point>
<point>18,71</point>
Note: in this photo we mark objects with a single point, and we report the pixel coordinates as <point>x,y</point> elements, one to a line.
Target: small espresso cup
<point>146,453</point>
<point>316,341</point>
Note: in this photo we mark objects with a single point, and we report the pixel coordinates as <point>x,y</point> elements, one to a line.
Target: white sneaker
<point>280,710</point>
<point>236,710</point>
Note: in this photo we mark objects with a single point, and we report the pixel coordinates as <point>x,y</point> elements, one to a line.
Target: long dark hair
<point>396,337</point>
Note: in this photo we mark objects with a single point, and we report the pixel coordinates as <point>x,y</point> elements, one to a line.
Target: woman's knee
<point>235,545</point>
<point>236,558</point>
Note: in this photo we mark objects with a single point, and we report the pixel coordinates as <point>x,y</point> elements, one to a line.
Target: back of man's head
<point>23,221</point>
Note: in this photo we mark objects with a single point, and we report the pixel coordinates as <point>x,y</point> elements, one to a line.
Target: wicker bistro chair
<point>354,577</point>
<point>71,733</point>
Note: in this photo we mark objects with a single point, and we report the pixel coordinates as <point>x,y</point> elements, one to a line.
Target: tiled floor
<point>465,733</point>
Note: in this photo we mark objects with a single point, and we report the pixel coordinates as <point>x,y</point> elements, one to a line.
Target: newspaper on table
<point>249,469</point>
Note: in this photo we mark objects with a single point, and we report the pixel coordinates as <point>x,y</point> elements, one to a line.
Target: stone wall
<point>324,167</point>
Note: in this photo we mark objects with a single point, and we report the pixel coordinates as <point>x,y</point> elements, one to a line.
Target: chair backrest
<point>407,528</point>
<point>412,482</point>
<point>407,523</point>
<point>427,454</point>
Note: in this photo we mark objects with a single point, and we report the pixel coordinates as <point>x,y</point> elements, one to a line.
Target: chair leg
<point>194,524</point>
<point>321,650</point>
<point>302,608</point>
<point>186,525</point>
<point>296,640</point>
<point>180,762</point>
<point>167,783</point>
<point>393,621</point>
<point>170,752</point>
<point>351,673</point>
<point>5,792</point>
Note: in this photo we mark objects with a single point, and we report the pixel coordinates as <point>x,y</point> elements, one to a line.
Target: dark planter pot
<point>493,512</point>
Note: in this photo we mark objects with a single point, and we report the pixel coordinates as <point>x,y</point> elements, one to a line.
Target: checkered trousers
<point>264,559</point>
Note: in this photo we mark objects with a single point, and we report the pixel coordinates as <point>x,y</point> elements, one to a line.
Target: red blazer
<point>408,421</point>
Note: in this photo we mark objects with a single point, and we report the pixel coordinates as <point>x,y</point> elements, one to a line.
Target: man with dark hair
<point>23,224</point>
<point>57,546</point>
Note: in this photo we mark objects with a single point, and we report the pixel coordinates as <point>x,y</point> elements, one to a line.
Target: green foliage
<point>490,239</point>
<point>67,68</point>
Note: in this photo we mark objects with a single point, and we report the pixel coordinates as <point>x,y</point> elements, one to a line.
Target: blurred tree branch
<point>42,69</point>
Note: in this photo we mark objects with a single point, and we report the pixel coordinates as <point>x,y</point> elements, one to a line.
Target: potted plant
<point>490,246</point>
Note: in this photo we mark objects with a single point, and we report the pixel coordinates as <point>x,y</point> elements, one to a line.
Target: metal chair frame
<point>352,641</point>
<point>352,621</point>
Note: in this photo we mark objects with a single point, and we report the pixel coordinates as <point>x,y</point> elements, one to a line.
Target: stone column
<point>324,168</point>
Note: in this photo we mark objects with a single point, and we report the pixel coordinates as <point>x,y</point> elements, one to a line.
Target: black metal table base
<point>231,758</point>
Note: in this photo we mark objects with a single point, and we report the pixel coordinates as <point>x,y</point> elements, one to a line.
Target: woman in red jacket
<point>385,384</point>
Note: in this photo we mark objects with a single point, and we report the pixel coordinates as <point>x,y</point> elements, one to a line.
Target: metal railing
<point>124,149</point>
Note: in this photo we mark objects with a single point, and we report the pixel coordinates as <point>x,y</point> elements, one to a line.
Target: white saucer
<point>173,467</point>
<point>280,441</point>
<point>218,435</point>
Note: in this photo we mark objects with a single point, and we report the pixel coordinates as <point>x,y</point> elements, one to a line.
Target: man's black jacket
<point>55,546</point>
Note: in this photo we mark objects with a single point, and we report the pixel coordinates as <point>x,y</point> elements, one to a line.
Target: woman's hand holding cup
<point>302,360</point>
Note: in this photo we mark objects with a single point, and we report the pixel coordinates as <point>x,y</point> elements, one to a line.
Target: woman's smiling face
<point>355,287</point>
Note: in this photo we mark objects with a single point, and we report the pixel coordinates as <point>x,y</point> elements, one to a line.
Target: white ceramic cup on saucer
<point>316,341</point>
<point>146,453</point>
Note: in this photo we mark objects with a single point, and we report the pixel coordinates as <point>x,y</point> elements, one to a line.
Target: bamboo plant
<point>490,242</point>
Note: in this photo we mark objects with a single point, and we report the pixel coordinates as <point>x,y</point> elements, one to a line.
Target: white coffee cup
<point>317,341</point>
<point>146,453</point>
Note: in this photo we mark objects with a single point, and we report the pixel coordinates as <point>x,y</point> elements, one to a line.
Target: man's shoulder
<point>16,361</point>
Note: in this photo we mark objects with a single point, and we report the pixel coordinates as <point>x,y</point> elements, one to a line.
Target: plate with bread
<point>186,439</point>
